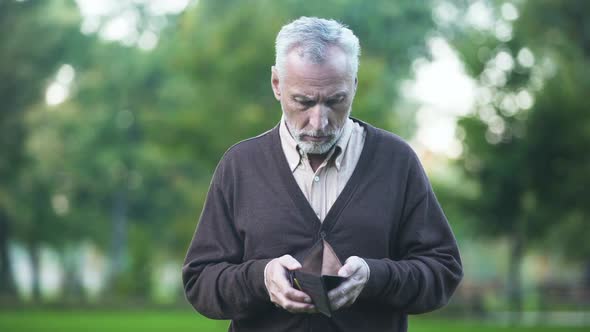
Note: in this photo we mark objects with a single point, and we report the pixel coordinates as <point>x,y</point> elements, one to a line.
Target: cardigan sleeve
<point>217,283</point>
<point>427,268</point>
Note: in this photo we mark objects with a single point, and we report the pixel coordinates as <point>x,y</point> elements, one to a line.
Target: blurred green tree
<point>526,145</point>
<point>32,39</point>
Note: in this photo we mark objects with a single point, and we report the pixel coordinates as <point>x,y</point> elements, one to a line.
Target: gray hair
<point>312,37</point>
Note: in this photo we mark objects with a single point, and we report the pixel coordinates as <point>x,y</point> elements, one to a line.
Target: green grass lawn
<point>77,320</point>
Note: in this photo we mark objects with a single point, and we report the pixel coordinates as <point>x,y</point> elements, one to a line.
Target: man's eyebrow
<point>300,96</point>
<point>338,95</point>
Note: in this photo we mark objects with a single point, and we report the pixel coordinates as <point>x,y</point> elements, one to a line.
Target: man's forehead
<point>312,87</point>
<point>335,62</point>
<point>313,93</point>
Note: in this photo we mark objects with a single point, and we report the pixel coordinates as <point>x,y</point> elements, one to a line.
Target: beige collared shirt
<point>322,187</point>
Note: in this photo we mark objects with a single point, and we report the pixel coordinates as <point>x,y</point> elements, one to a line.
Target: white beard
<point>314,147</point>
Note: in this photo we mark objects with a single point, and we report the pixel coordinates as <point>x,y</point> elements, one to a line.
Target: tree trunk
<point>35,252</point>
<point>515,279</point>
<point>119,240</point>
<point>586,277</point>
<point>7,282</point>
<point>72,285</point>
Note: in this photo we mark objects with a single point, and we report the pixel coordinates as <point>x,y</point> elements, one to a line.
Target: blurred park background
<point>114,114</point>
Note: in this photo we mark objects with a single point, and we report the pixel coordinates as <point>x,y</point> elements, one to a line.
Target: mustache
<point>315,133</point>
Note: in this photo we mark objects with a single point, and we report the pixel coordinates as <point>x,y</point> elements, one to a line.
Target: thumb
<point>344,272</point>
<point>350,267</point>
<point>289,262</point>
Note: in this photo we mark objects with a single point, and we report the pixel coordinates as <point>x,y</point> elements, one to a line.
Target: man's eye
<point>306,103</point>
<point>335,101</point>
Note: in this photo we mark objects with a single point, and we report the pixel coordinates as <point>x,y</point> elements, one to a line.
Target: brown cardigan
<point>387,214</point>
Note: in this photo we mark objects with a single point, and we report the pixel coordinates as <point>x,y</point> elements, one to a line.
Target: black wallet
<point>318,275</point>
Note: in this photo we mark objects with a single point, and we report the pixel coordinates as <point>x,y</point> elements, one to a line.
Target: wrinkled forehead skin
<point>325,77</point>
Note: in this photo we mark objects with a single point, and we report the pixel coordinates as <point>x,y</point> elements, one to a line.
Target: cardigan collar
<point>361,170</point>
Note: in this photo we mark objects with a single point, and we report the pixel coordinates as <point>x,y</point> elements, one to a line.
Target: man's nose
<point>318,117</point>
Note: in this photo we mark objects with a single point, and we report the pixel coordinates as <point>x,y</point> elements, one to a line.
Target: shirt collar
<point>289,146</point>
<point>294,155</point>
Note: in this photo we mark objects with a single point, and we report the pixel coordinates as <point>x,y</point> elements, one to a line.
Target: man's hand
<point>356,270</point>
<point>282,294</point>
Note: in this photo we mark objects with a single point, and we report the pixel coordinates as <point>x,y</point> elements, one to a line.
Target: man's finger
<point>340,291</point>
<point>350,267</point>
<point>289,262</point>
<point>296,295</point>
<point>341,298</point>
<point>349,302</point>
<point>294,306</point>
<point>339,303</point>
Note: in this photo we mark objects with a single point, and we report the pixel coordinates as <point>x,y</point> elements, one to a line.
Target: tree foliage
<point>125,162</point>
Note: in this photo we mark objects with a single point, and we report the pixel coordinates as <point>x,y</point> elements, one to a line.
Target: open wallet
<point>318,275</point>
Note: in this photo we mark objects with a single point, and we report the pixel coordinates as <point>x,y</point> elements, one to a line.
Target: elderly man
<point>320,174</point>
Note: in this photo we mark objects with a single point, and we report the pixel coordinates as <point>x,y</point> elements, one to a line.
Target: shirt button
<point>316,178</point>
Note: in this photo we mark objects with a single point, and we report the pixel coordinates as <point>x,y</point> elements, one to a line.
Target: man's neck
<point>316,160</point>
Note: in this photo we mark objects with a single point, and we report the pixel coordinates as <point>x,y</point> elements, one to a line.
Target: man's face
<point>315,98</point>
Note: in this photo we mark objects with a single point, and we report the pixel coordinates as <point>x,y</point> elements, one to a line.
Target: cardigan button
<point>322,234</point>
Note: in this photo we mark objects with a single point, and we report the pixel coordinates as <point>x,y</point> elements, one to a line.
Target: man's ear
<point>274,81</point>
